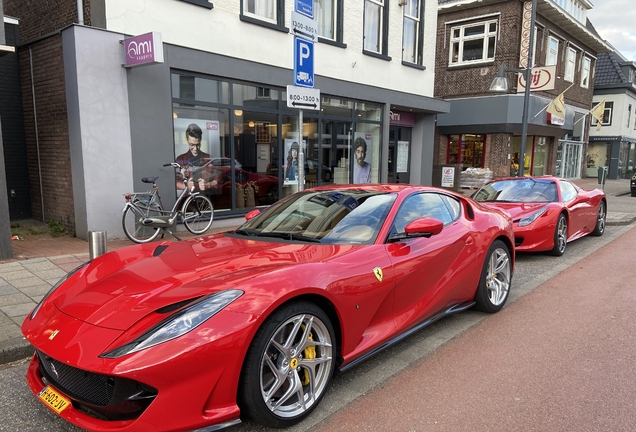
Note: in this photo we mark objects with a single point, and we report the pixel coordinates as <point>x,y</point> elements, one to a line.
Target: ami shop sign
<point>143,50</point>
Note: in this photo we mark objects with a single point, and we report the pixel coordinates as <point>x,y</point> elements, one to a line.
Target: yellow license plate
<point>53,399</point>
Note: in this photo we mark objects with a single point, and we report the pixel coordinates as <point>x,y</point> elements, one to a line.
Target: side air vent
<point>159,250</point>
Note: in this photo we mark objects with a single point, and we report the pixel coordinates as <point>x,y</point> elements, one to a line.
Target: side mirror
<point>424,226</point>
<point>252,214</point>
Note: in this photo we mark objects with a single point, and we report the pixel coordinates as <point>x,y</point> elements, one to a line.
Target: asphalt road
<point>461,372</point>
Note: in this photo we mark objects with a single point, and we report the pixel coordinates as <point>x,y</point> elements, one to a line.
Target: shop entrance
<point>399,154</point>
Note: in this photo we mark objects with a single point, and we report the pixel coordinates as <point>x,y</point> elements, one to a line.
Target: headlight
<point>56,286</point>
<point>178,324</point>
<point>532,217</point>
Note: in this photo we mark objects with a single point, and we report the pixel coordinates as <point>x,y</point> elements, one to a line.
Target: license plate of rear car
<point>53,399</point>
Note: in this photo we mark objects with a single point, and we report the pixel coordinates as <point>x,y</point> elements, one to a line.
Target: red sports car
<point>253,322</point>
<point>548,212</point>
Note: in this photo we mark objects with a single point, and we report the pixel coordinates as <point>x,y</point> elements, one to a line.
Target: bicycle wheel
<point>133,228</point>
<point>198,213</point>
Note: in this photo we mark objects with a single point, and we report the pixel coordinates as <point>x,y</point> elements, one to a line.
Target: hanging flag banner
<point>598,112</point>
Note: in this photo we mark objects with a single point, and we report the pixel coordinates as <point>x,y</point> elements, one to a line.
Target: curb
<point>15,349</point>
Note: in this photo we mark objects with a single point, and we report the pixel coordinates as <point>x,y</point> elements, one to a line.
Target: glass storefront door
<point>335,146</point>
<point>569,159</point>
<point>399,154</point>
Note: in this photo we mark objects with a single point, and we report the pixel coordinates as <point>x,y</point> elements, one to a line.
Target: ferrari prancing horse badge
<point>378,273</point>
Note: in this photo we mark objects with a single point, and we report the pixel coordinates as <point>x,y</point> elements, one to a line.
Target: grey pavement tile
<point>18,320</point>
<point>5,290</point>
<point>37,290</point>
<point>13,299</point>
<point>37,299</point>
<point>54,280</point>
<point>5,320</point>
<point>9,332</point>
<point>50,273</point>
<point>3,282</point>
<point>19,309</point>
<point>45,264</point>
<point>16,274</point>
<point>27,282</point>
<point>12,266</point>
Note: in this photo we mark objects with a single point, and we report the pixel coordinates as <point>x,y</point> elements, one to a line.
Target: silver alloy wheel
<point>296,366</point>
<point>498,276</point>
<point>562,234</point>
<point>601,218</point>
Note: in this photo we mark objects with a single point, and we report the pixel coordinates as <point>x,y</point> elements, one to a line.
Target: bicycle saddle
<point>149,179</point>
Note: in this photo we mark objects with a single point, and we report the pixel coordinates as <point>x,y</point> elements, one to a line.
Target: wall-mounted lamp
<point>251,124</point>
<point>402,2</point>
<point>238,113</point>
<point>174,115</point>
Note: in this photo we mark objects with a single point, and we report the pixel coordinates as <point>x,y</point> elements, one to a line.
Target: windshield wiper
<point>306,238</point>
<point>243,231</point>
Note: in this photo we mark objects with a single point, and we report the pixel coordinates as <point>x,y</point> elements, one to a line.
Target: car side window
<point>568,192</point>
<point>420,205</point>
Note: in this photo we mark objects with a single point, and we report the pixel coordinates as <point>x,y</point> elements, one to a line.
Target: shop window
<point>375,27</point>
<point>585,73</point>
<point>264,12</point>
<point>466,150</point>
<point>412,32</point>
<point>200,89</point>
<point>570,65</point>
<point>254,96</point>
<point>473,43</point>
<point>553,51</point>
<point>607,114</point>
<point>367,111</point>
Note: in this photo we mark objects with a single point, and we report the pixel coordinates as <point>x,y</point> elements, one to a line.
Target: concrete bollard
<point>96,243</point>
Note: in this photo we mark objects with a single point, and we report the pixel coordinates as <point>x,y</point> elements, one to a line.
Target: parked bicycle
<point>144,215</point>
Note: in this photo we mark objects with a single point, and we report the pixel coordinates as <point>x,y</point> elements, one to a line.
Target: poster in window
<point>361,166</point>
<point>292,151</point>
<point>196,141</point>
<point>402,156</point>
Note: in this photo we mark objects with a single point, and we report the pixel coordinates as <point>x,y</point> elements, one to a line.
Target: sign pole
<point>301,153</point>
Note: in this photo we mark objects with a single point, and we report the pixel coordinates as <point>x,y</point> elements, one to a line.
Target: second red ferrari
<point>547,212</point>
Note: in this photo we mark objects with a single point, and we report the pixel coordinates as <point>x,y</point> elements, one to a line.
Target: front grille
<point>111,397</point>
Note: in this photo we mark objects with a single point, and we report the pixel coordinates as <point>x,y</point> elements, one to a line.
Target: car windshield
<point>526,190</point>
<point>327,217</point>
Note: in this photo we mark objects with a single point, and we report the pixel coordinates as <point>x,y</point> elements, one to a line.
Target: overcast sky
<point>615,21</point>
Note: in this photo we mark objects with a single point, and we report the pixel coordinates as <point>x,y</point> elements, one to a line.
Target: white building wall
<point>619,116</point>
<point>221,31</point>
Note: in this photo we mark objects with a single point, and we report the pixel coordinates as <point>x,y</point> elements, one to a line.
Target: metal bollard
<point>96,243</point>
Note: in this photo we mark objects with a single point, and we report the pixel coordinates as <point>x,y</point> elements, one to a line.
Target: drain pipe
<point>37,135</point>
<point>80,13</point>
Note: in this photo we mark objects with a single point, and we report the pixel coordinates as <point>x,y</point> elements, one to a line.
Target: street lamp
<point>500,85</point>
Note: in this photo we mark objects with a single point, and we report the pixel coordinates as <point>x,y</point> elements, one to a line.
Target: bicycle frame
<point>167,219</point>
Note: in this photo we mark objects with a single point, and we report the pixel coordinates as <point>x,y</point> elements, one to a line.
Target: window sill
<point>264,23</point>
<point>332,42</point>
<point>471,65</point>
<point>413,65</point>
<point>376,55</point>
<point>203,3</point>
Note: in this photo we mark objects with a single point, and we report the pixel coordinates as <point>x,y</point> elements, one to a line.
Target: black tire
<point>560,236</point>
<point>198,214</point>
<point>601,217</point>
<point>131,222</point>
<point>496,276</point>
<point>281,356</point>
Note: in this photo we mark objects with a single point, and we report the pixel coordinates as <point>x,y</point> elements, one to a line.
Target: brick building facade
<point>474,39</point>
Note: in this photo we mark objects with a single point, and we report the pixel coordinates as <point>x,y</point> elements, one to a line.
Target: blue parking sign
<point>303,62</point>
<point>305,7</point>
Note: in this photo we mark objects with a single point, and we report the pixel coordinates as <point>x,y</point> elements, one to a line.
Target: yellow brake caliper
<point>309,353</point>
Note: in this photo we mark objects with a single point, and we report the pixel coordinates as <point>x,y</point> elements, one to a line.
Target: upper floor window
<point>473,43</point>
<point>412,34</point>
<point>553,51</point>
<point>585,73</point>
<point>328,17</point>
<point>607,114</point>
<point>629,114</point>
<point>570,65</point>
<point>265,12</point>
<point>375,25</point>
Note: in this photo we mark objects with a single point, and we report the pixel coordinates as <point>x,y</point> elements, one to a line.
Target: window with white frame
<point>411,32</point>
<point>570,65</point>
<point>607,114</point>
<point>326,17</point>
<point>553,51</point>
<point>473,43</point>
<point>585,73</point>
<point>374,26</point>
<point>264,10</point>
